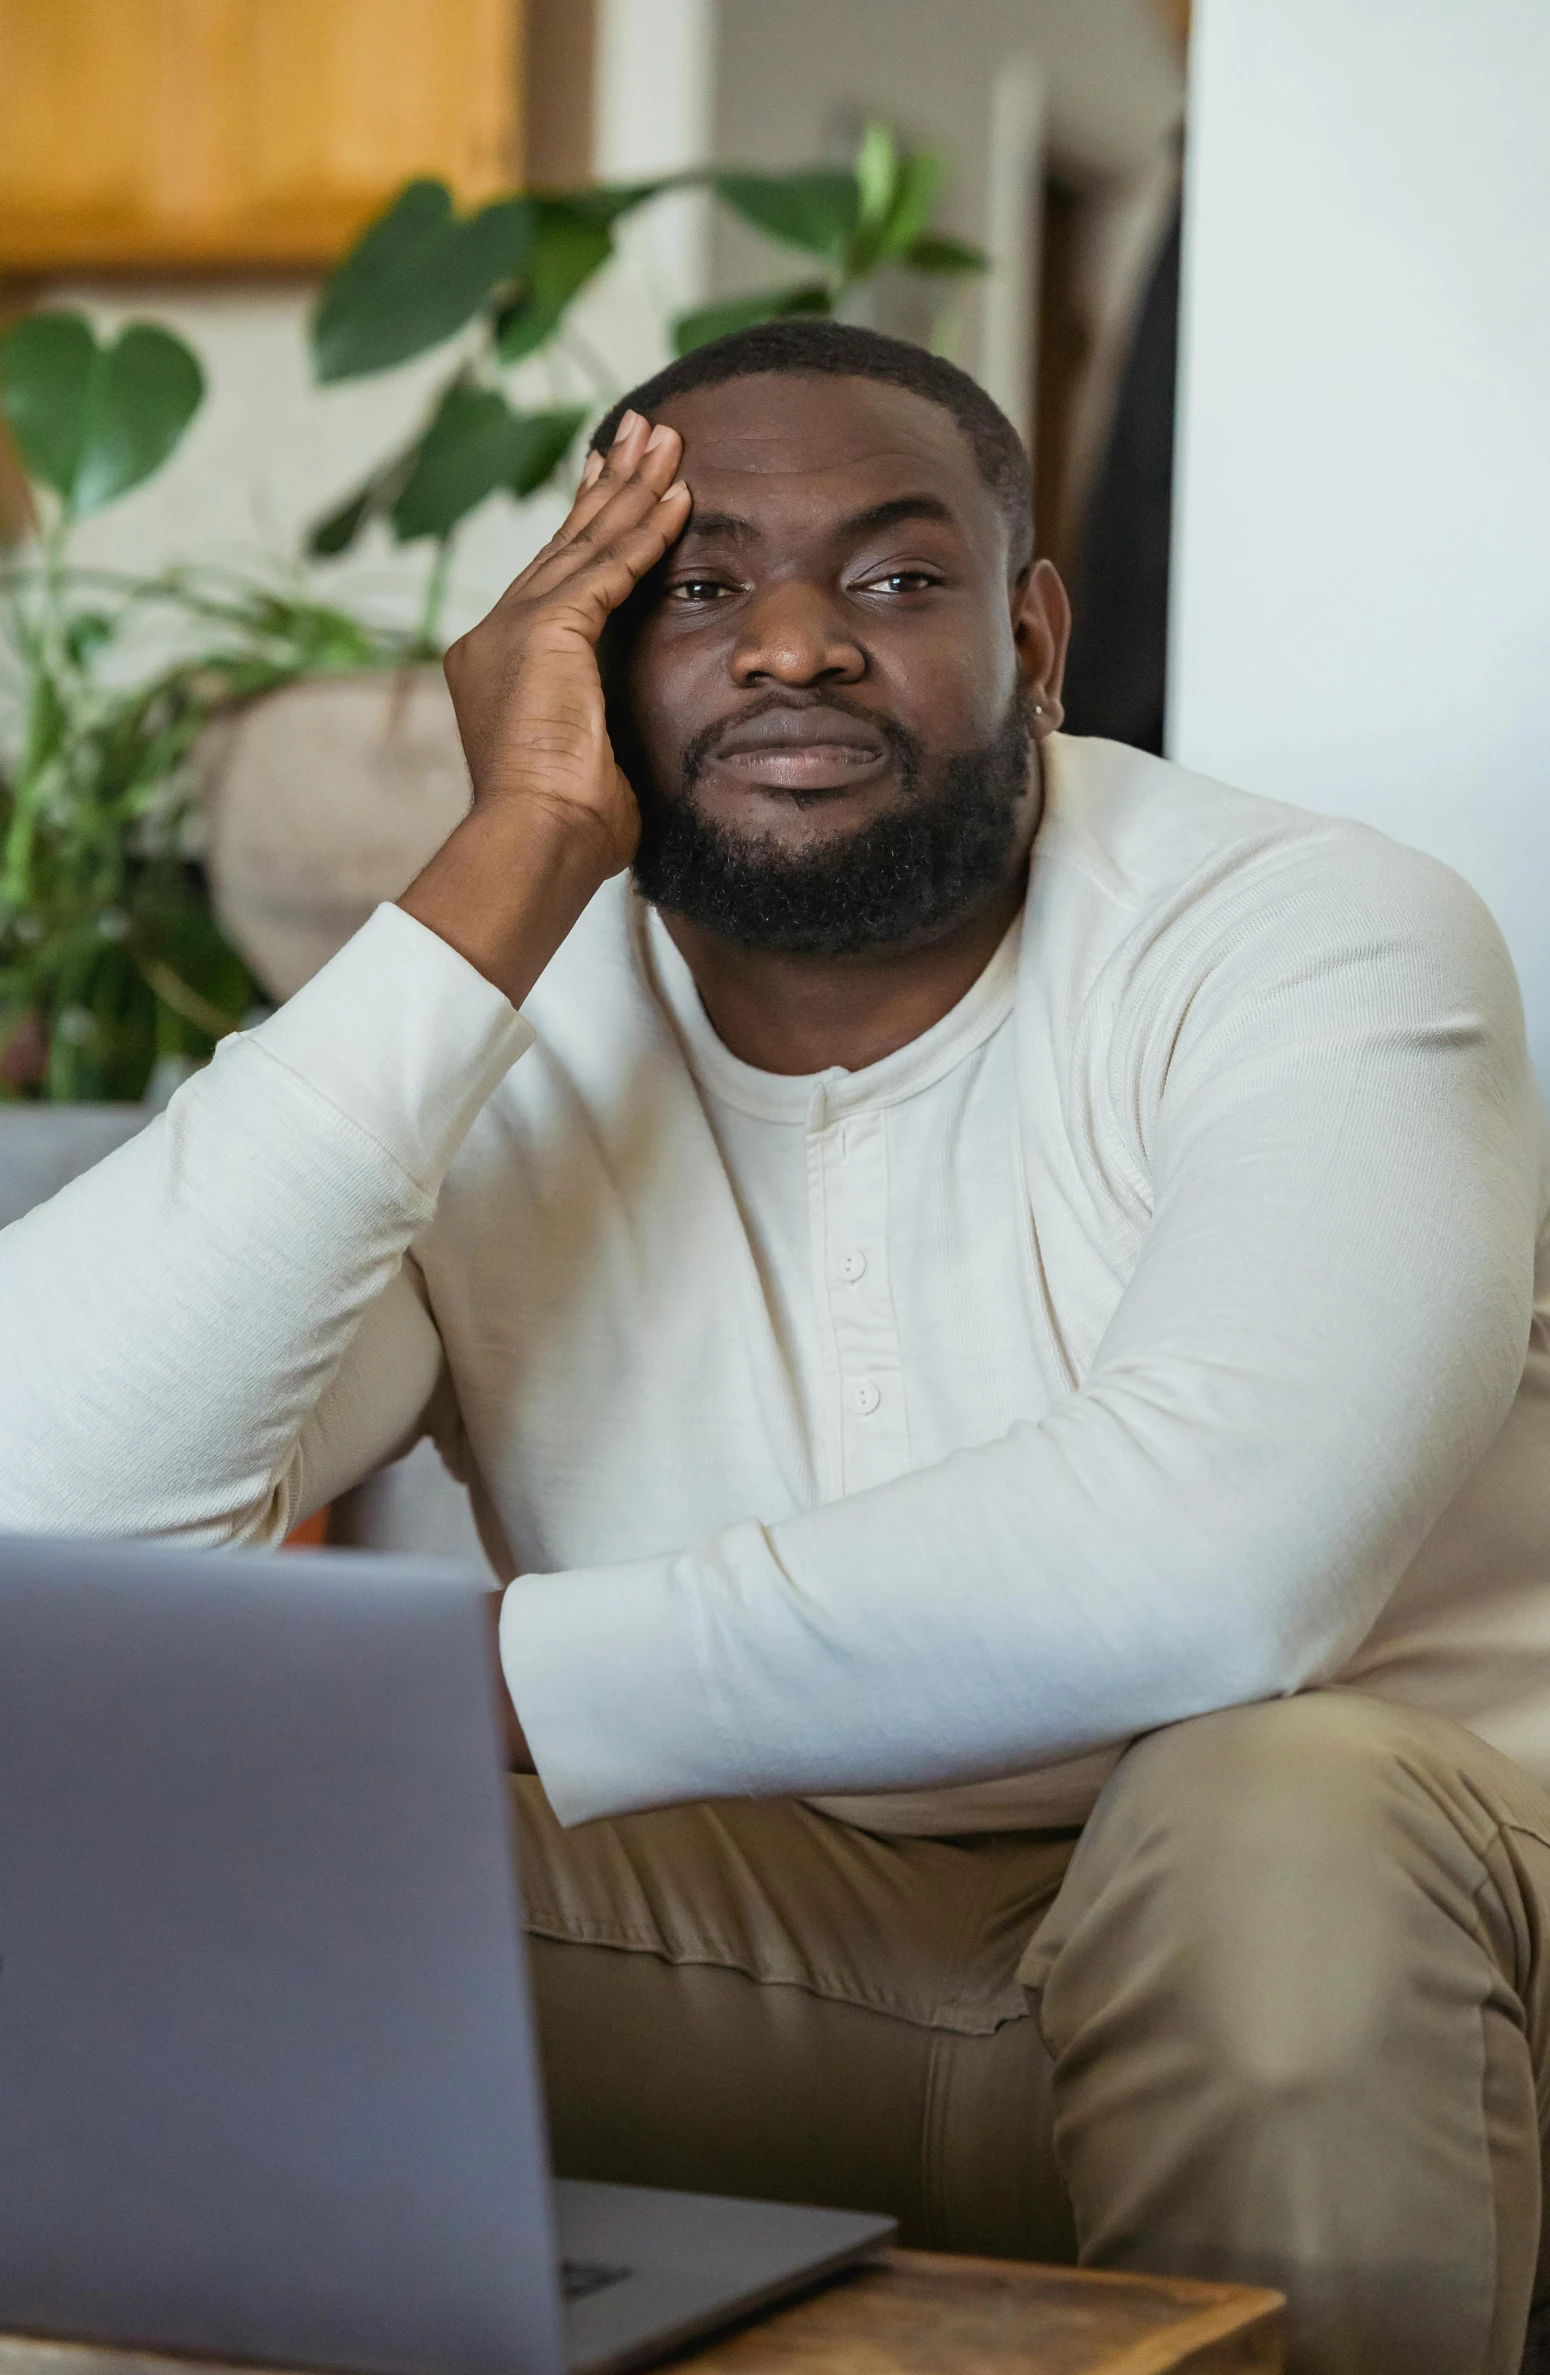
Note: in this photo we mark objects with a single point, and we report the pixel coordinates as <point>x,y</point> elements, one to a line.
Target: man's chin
<point>792,827</point>
<point>870,870</point>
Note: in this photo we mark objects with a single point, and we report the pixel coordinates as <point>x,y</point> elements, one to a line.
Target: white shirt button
<point>852,1266</point>
<point>864,1396</point>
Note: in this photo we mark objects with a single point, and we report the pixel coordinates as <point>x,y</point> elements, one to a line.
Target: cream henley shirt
<point>1162,1330</point>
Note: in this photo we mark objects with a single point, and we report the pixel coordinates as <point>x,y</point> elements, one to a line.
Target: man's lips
<point>802,750</point>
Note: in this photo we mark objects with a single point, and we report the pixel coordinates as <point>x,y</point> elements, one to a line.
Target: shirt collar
<point>792,1097</point>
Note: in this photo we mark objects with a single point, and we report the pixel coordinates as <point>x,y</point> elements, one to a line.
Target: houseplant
<point>114,974</point>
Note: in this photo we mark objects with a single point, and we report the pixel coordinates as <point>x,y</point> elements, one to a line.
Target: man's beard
<point>909,875</point>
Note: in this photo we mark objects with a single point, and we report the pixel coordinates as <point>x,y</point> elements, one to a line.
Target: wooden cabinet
<point>148,135</point>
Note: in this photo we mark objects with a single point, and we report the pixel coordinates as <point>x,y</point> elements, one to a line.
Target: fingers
<point>605,569</point>
<point>639,453</point>
<point>625,515</point>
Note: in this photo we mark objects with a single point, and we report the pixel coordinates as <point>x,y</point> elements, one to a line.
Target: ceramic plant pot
<point>320,800</point>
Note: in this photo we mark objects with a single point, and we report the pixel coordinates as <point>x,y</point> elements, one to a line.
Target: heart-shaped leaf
<point>741,313</point>
<point>817,210</point>
<point>415,276</point>
<point>93,421</point>
<point>45,364</point>
<point>143,392</point>
<point>567,249</point>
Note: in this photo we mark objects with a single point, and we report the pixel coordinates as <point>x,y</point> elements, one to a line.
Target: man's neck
<point>798,1014</point>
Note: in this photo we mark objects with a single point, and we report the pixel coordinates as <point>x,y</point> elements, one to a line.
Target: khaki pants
<point>1281,2012</point>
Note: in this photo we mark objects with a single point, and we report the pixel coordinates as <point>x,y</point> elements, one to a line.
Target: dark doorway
<point>1117,556</point>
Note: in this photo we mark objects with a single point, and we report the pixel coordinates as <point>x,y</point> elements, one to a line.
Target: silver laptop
<point>267,2077</point>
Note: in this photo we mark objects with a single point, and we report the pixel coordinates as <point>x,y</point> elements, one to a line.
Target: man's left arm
<point>1324,1333</point>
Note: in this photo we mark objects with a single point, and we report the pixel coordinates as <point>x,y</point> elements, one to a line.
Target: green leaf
<point>464,456</point>
<point>93,421</point>
<point>475,447</point>
<point>935,254</point>
<point>88,632</point>
<point>817,210</point>
<point>608,201</point>
<point>910,200</point>
<point>741,313</point>
<point>338,530</point>
<point>920,177</point>
<point>567,249</point>
<point>540,444</point>
<point>45,365</point>
<point>415,276</point>
<point>877,175</point>
<point>143,392</point>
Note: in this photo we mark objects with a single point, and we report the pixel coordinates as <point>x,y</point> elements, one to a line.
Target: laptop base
<point>650,2270</point>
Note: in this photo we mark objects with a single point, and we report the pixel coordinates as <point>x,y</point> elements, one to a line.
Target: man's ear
<point>1041,631</point>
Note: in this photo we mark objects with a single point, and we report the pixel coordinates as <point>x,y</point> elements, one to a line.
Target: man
<point>1013,1391</point>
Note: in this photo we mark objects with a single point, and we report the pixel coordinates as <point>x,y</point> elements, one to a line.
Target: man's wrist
<point>506,887</point>
<point>518,1756</point>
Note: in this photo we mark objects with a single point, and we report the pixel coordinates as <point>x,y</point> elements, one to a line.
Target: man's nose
<point>799,635</point>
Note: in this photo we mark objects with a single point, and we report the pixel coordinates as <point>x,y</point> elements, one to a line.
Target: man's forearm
<point>507,886</point>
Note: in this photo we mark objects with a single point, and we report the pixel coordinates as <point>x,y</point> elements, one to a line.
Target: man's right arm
<point>184,1324</point>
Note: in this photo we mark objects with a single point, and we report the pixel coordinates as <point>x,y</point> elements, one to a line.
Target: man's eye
<point>697,589</point>
<point>902,581</point>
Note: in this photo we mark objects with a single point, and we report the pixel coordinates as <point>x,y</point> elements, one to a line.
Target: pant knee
<point>1271,1762</point>
<point>1264,1873</point>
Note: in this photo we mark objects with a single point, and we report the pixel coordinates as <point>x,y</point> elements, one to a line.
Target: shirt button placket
<point>873,1435</point>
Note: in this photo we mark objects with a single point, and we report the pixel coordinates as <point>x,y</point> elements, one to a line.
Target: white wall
<point>1361,604</point>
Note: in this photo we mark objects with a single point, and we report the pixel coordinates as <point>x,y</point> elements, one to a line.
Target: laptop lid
<point>267,2082</point>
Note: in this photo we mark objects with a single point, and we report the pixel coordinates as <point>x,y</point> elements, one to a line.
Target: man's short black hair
<point>804,347</point>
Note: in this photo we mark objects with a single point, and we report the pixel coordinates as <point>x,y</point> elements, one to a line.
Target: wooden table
<point>916,2313</point>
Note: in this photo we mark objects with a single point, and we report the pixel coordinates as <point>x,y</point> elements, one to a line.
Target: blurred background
<point>1266,287</point>
<point>205,160</point>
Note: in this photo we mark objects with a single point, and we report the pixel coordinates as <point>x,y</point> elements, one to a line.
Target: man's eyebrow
<point>898,507</point>
<point>731,528</point>
<point>725,524</point>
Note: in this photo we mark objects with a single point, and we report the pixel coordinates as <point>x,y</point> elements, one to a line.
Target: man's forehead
<point>838,434</point>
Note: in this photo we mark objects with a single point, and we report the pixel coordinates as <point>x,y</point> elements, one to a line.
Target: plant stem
<point>428,640</point>
<point>194,1008</point>
<point>44,655</point>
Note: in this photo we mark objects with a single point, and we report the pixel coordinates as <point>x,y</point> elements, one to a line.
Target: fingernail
<point>627,422</point>
<point>591,469</point>
<point>659,436</point>
<point>680,486</point>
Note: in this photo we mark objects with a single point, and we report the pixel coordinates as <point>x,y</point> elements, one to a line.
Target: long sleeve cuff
<point>402,1036</point>
<point>603,1670</point>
